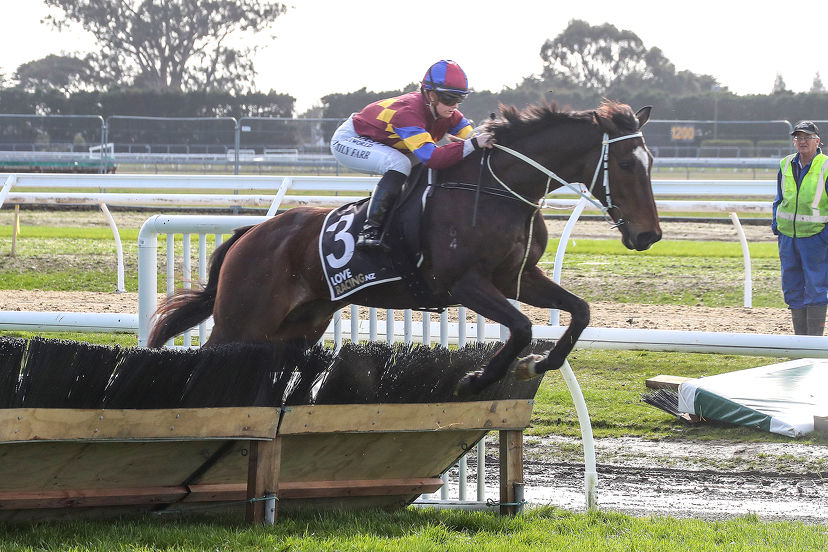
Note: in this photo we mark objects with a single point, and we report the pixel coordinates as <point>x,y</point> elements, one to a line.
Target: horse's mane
<point>515,122</point>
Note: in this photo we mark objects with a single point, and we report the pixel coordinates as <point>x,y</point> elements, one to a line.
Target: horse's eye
<point>626,165</point>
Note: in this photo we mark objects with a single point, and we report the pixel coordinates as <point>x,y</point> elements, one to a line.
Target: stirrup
<point>371,239</point>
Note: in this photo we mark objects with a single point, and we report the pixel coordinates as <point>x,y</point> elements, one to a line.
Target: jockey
<point>390,135</point>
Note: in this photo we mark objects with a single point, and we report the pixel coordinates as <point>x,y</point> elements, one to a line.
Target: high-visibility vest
<point>804,210</point>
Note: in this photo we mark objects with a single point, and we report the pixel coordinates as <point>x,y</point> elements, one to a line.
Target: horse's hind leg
<point>539,291</point>
<point>479,294</point>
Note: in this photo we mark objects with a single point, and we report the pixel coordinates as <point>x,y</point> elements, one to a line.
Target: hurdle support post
<point>264,462</point>
<point>511,471</point>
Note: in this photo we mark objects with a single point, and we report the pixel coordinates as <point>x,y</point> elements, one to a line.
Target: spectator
<point>800,214</point>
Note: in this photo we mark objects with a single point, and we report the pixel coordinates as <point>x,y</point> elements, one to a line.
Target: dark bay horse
<point>266,282</point>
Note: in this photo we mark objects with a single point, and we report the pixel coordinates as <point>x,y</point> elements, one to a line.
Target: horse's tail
<point>188,307</point>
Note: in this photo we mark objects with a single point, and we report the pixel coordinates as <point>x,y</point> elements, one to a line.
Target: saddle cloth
<point>347,269</point>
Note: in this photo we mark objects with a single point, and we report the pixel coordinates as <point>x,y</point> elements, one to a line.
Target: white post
<point>372,324</point>
<point>186,278</point>
<point>354,323</point>
<point>119,250</point>
<point>461,328</point>
<point>202,280</point>
<point>748,301</point>
<point>481,470</point>
<point>7,186</point>
<point>280,195</point>
<point>555,314</point>
<point>148,279</point>
<point>590,475</point>
<point>407,324</point>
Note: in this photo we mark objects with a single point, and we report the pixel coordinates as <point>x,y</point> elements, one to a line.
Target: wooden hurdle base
<point>59,463</point>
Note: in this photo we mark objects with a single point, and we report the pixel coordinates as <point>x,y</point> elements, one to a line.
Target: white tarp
<point>780,398</point>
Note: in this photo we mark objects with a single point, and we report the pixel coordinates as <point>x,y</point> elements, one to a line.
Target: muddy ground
<point>711,480</point>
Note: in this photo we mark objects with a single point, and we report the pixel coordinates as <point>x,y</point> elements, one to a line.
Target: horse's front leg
<point>479,294</point>
<point>539,291</point>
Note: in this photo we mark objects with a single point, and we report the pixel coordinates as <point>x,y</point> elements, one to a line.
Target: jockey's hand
<point>483,140</point>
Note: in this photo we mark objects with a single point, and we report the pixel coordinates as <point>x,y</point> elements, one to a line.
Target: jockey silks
<point>407,124</point>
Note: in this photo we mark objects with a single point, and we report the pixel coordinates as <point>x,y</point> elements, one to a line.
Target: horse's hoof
<point>525,367</point>
<point>467,386</point>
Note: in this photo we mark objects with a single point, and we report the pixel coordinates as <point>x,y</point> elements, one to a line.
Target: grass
<point>706,273</point>
<point>422,530</point>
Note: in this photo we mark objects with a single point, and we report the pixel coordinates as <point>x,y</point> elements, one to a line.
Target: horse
<point>480,242</point>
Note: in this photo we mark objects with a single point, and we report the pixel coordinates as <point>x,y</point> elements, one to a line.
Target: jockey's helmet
<point>447,77</point>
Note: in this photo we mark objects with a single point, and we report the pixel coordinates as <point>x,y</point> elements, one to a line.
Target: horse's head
<point>623,175</point>
<point>571,145</point>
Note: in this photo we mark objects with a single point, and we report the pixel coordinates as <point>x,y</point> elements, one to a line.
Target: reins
<point>603,160</point>
<point>588,195</point>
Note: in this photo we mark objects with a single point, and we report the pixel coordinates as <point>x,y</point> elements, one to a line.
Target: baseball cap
<point>808,127</point>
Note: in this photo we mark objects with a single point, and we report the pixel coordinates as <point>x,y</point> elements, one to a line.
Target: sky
<point>326,46</point>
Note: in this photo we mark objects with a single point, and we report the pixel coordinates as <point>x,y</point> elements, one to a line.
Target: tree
<point>593,57</point>
<point>816,86</point>
<point>180,45</point>
<point>779,85</point>
<point>65,74</point>
<point>602,58</point>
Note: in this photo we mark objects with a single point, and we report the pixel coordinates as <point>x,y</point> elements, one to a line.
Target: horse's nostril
<point>646,239</point>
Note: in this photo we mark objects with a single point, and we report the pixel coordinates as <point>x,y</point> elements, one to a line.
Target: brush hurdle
<point>83,462</point>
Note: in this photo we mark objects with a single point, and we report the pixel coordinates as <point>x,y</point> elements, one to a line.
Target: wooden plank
<point>63,424</point>
<point>34,465</point>
<point>77,498</point>
<point>511,469</point>
<point>262,477</point>
<point>356,418</point>
<point>665,382</point>
<point>320,489</point>
<point>371,487</point>
<point>357,456</point>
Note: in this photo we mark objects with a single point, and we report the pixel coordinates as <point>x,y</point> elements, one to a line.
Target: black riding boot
<point>816,319</point>
<point>383,198</point>
<point>800,321</point>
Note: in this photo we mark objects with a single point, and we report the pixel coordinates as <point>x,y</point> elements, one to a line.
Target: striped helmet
<point>446,76</point>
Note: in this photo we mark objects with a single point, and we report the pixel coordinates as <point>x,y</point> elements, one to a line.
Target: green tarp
<point>780,398</point>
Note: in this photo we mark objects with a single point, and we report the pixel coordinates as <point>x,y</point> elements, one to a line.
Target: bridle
<point>586,193</point>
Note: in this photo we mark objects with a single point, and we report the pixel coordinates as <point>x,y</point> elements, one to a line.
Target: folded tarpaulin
<point>780,398</point>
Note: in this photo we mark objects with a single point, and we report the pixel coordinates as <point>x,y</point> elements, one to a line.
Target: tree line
<point>174,59</point>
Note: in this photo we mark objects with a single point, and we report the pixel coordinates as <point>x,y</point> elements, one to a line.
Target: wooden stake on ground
<point>263,477</point>
<point>511,469</point>
<point>15,229</point>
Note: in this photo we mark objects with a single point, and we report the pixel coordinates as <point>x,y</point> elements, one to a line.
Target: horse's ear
<point>598,120</point>
<point>643,115</point>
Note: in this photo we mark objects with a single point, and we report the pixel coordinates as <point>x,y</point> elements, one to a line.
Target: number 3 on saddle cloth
<point>348,270</point>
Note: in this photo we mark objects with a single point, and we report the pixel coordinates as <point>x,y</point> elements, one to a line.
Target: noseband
<point>603,161</point>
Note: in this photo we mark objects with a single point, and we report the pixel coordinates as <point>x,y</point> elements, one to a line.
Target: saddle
<point>348,270</point>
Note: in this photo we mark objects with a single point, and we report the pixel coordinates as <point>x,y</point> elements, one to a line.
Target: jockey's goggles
<point>450,98</point>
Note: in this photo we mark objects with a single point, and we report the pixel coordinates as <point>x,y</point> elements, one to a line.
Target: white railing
<point>408,330</point>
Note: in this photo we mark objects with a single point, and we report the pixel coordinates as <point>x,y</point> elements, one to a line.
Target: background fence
<point>90,143</point>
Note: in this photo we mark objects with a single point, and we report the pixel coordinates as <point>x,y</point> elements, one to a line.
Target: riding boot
<point>800,321</point>
<point>383,198</point>
<point>816,319</point>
